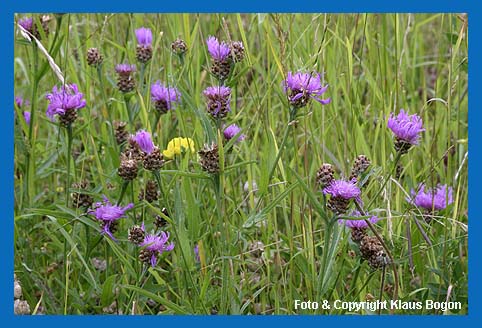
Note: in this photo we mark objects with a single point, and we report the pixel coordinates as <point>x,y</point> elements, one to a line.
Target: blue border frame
<point>6,133</point>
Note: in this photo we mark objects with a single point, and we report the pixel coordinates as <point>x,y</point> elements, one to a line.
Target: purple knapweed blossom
<point>26,23</point>
<point>196,254</point>
<point>301,87</point>
<point>21,102</point>
<point>156,245</point>
<point>108,213</point>
<point>144,36</point>
<point>26,116</point>
<point>125,69</point>
<point>164,96</point>
<point>218,50</point>
<point>406,127</point>
<point>231,131</point>
<point>144,141</point>
<point>433,199</point>
<point>358,224</point>
<point>218,100</point>
<point>343,189</point>
<point>63,100</point>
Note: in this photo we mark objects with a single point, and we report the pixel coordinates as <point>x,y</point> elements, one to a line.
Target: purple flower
<point>164,96</point>
<point>26,116</point>
<point>125,69</point>
<point>196,253</point>
<point>231,131</point>
<point>358,224</point>
<point>301,87</point>
<point>144,140</point>
<point>21,102</point>
<point>63,100</point>
<point>435,199</point>
<point>218,100</point>
<point>156,244</point>
<point>108,213</point>
<point>144,36</point>
<point>343,189</point>
<point>26,23</point>
<point>406,127</point>
<point>219,51</point>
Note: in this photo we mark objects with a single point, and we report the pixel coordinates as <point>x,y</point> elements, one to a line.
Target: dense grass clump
<point>240,163</point>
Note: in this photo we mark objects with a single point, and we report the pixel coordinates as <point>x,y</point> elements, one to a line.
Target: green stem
<point>31,148</point>
<point>282,145</point>
<point>157,175</point>
<point>128,110</point>
<point>123,191</point>
<point>326,247</point>
<point>69,155</point>
<point>395,163</point>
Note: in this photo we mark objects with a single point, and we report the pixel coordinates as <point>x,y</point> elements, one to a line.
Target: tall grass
<point>374,64</point>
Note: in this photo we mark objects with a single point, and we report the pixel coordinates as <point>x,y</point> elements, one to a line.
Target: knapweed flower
<point>125,80</point>
<point>237,50</point>
<point>144,141</point>
<point>26,116</point>
<point>432,199</point>
<point>218,100</point>
<point>21,102</point>
<point>144,36</point>
<point>64,102</point>
<point>325,175</point>
<point>179,46</point>
<point>154,246</point>
<point>137,234</point>
<point>108,215</point>
<point>29,24</point>
<point>164,97</point>
<point>358,224</point>
<point>302,87</point>
<point>26,23</point>
<point>406,129</point>
<point>209,158</point>
<point>231,131</point>
<point>177,145</point>
<point>197,258</point>
<point>341,193</point>
<point>144,44</point>
<point>220,58</point>
<point>218,50</point>
<point>94,57</point>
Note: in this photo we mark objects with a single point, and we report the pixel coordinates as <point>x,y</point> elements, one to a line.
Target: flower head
<point>218,100</point>
<point>218,50</point>
<point>144,141</point>
<point>125,69</point>
<point>433,199</point>
<point>231,131</point>
<point>65,100</point>
<point>21,102</point>
<point>196,253</point>
<point>406,127</point>
<point>156,245</point>
<point>164,97</point>
<point>301,87</point>
<point>26,116</point>
<point>26,23</point>
<point>144,36</point>
<point>177,145</point>
<point>343,189</point>
<point>358,224</point>
<point>108,213</point>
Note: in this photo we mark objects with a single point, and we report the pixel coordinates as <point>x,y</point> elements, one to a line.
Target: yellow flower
<point>177,145</point>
